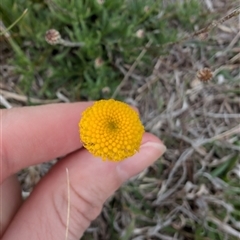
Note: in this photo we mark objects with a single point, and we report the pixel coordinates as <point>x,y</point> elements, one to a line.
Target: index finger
<point>32,135</point>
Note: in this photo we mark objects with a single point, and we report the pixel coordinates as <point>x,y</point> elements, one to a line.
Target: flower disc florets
<point>111,130</point>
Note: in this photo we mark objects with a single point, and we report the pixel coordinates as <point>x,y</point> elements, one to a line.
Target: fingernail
<point>149,152</point>
<point>156,145</point>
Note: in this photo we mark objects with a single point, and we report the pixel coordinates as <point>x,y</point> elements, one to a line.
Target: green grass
<point>108,32</point>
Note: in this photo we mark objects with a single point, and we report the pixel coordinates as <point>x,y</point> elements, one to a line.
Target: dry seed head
<point>205,74</point>
<point>98,62</point>
<point>140,33</point>
<point>146,9</point>
<point>203,36</point>
<point>53,37</point>
<point>100,2</point>
<point>106,90</point>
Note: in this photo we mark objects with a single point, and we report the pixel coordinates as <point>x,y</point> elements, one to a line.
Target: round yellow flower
<point>111,130</point>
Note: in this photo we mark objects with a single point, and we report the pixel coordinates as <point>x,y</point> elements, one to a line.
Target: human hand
<point>33,135</point>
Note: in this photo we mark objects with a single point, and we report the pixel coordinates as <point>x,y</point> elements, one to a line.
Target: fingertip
<point>151,149</point>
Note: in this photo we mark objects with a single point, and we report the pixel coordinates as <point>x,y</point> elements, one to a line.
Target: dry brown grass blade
<point>4,102</point>
<point>208,28</point>
<point>68,206</point>
<point>132,68</point>
<point>225,227</point>
<point>25,99</point>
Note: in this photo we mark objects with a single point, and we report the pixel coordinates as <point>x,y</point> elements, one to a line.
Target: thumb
<point>91,182</point>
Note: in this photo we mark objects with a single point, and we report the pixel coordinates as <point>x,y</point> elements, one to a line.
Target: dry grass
<point>186,192</point>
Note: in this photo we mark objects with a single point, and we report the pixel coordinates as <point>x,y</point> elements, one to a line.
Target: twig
<point>185,155</point>
<point>208,28</point>
<point>189,141</point>
<point>209,5</point>
<point>229,208</point>
<point>62,97</point>
<point>163,237</point>
<point>225,227</point>
<point>228,145</point>
<point>222,115</point>
<point>232,131</point>
<point>173,189</point>
<point>4,102</point>
<point>25,99</point>
<point>68,206</point>
<point>131,69</point>
<point>224,159</point>
<point>4,30</point>
<point>234,41</point>
<point>174,114</point>
<point>199,142</point>
<point>160,225</point>
<point>67,43</point>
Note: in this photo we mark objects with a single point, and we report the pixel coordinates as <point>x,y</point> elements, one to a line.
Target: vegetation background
<point>193,191</point>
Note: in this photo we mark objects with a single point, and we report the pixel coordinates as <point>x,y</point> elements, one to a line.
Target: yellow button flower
<point>111,130</point>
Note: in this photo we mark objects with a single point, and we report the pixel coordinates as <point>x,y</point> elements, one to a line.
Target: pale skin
<point>32,135</point>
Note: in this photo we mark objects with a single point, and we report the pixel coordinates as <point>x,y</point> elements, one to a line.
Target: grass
<point>192,192</point>
<point>108,32</point>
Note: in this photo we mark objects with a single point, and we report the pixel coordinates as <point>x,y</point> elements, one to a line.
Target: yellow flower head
<point>111,130</point>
